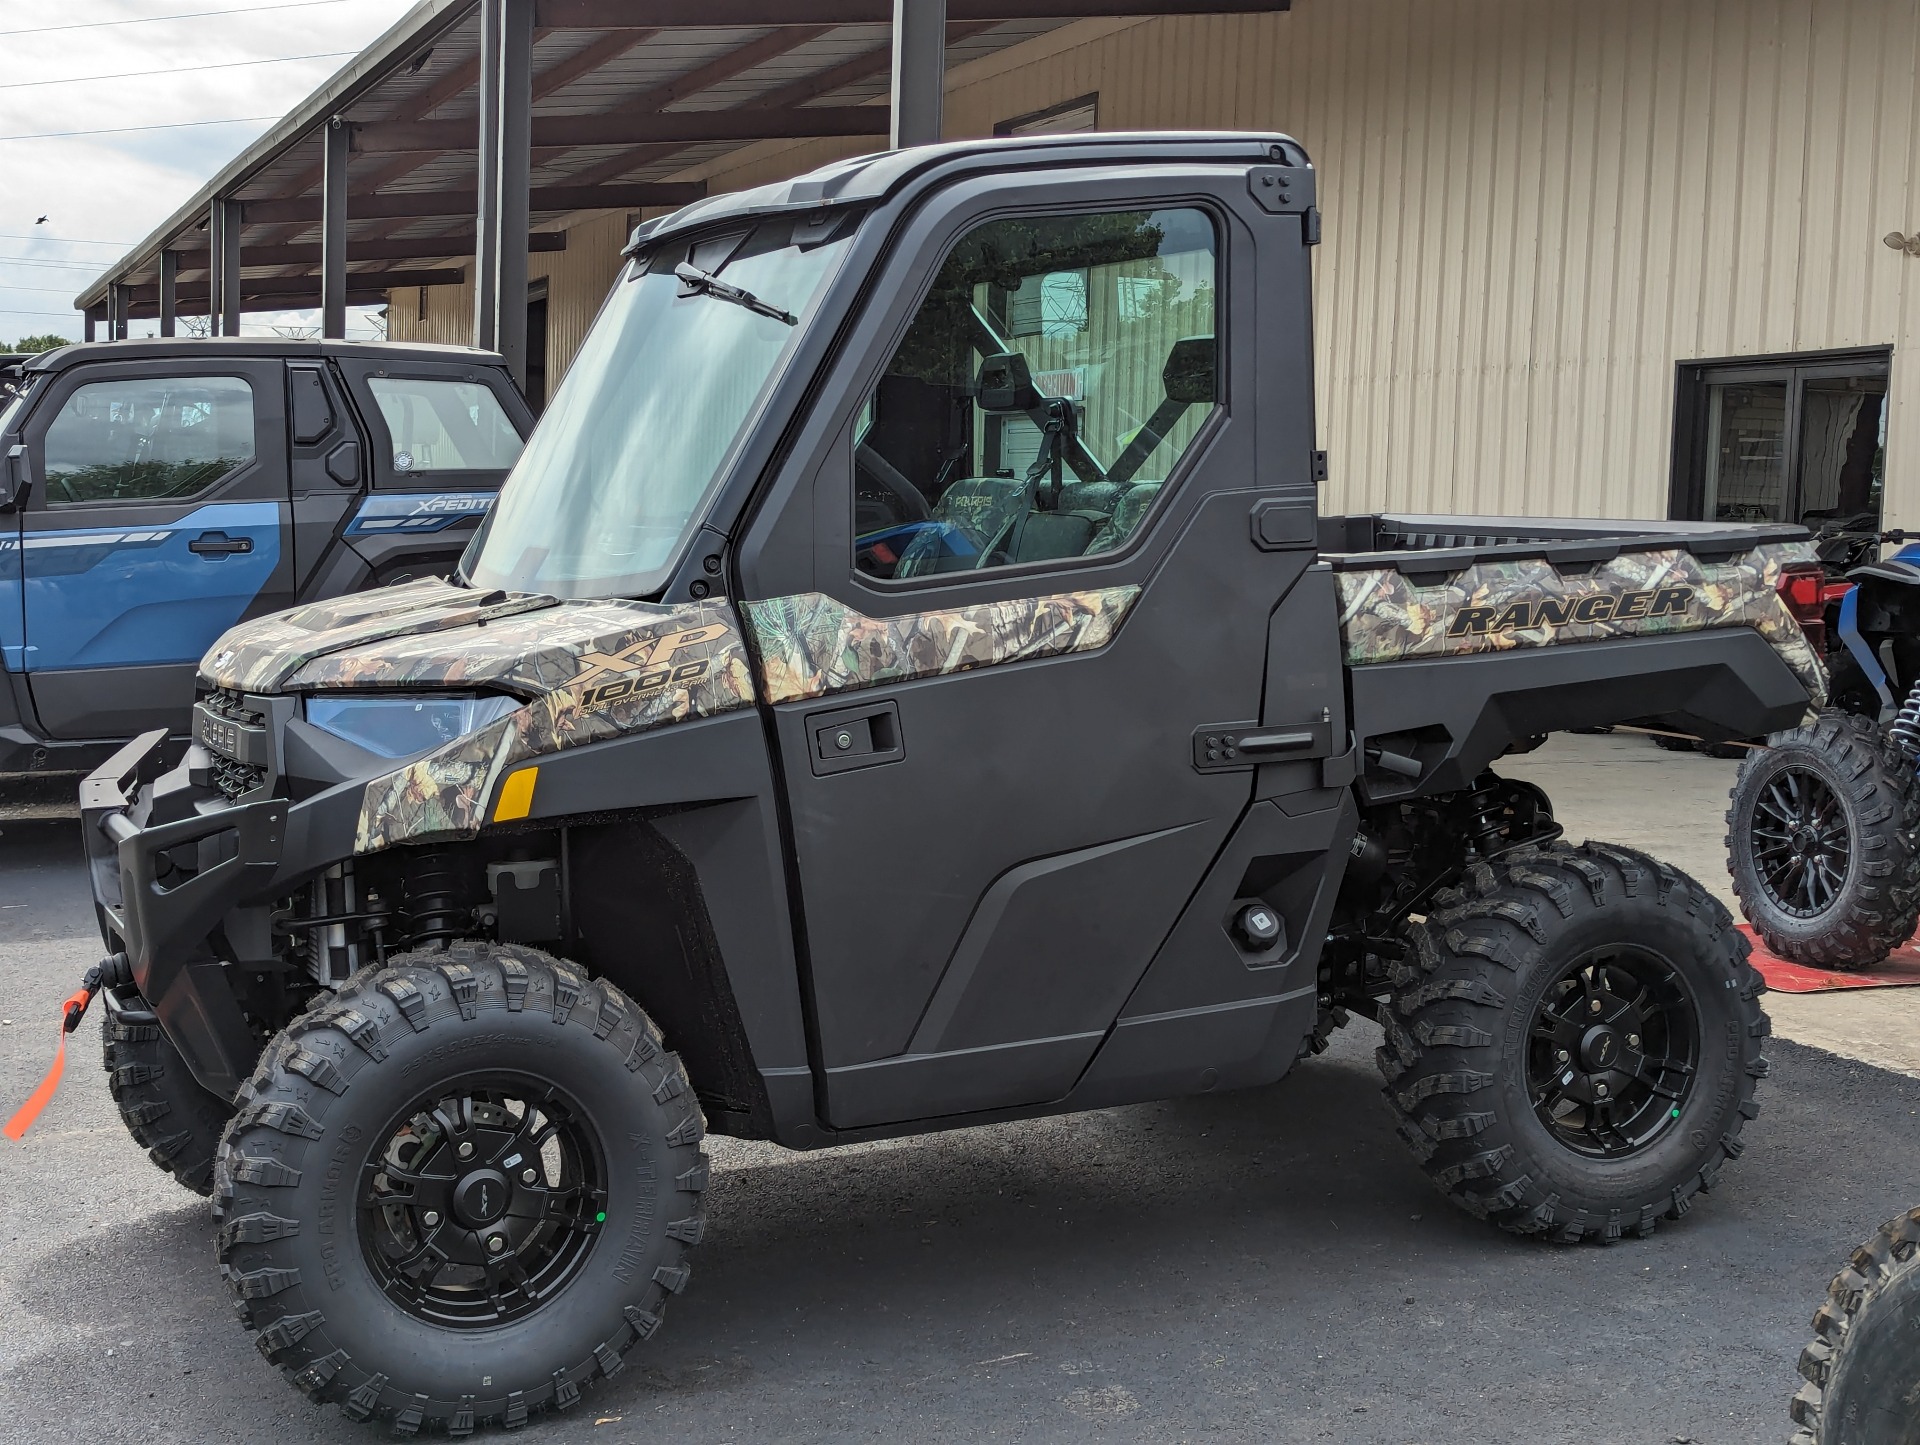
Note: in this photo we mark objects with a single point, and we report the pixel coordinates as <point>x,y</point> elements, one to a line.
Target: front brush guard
<point>162,915</point>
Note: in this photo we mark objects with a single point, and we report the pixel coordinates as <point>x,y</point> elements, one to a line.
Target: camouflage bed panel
<point>1528,602</point>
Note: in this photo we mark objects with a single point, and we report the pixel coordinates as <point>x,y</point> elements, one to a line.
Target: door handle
<point>219,544</point>
<point>854,737</point>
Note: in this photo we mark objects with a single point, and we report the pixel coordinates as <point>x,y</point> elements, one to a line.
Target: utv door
<point>1007,580</point>
<point>442,437</point>
<point>157,519</point>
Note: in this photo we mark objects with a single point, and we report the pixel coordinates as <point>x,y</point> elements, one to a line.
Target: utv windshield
<point>666,384</point>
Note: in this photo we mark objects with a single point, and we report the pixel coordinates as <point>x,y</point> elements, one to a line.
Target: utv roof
<point>162,348</point>
<point>875,177</point>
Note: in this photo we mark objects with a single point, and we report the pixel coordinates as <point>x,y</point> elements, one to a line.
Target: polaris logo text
<point>1559,611</point>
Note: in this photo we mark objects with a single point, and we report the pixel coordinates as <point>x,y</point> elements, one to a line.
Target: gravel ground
<point>1259,1266</point>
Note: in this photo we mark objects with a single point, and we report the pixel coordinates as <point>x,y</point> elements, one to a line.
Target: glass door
<point>1788,439</point>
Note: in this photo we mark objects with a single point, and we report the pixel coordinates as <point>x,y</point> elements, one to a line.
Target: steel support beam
<point>515,179</point>
<point>169,290</point>
<point>216,224</point>
<point>333,230</point>
<point>227,263</point>
<point>675,127</point>
<point>88,325</point>
<point>919,71</point>
<point>292,288</point>
<point>757,14</point>
<point>486,211</point>
<point>271,301</point>
<point>117,299</point>
<point>626,195</point>
<point>378,248</point>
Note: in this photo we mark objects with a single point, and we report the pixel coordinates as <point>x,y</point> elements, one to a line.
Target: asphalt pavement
<point>1263,1266</point>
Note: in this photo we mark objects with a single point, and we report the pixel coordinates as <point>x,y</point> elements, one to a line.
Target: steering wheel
<point>870,466</point>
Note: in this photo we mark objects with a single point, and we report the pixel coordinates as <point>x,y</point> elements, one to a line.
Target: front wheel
<point>163,1106</point>
<point>1821,843</point>
<point>1573,1042</point>
<point>460,1190</point>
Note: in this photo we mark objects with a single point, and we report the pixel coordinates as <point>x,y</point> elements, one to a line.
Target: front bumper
<point>190,899</point>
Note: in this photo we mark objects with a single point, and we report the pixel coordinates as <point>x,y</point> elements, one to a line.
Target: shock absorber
<point>1905,731</point>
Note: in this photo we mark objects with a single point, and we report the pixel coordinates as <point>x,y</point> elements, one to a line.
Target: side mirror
<point>1189,375</point>
<point>14,479</point>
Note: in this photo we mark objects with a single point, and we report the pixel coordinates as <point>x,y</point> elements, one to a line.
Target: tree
<point>32,344</point>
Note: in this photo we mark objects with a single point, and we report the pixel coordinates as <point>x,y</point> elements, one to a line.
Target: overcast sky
<point>101,193</point>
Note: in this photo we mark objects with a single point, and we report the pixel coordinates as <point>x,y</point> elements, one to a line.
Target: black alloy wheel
<point>1802,845</point>
<point>484,1202</point>
<point>1613,1052</point>
<point>461,1190</point>
<point>1823,842</point>
<point>1573,1041</point>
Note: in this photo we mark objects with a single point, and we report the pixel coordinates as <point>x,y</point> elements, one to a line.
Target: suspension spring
<point>434,914</point>
<point>1487,816</point>
<point>1905,732</point>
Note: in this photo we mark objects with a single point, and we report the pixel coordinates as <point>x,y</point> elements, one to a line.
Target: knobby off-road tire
<point>163,1106</point>
<point>1673,743</point>
<point>356,1128</point>
<point>1540,951</point>
<point>1862,1371</point>
<point>1838,800</point>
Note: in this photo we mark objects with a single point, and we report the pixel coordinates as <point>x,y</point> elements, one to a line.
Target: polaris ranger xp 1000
<point>906,683</point>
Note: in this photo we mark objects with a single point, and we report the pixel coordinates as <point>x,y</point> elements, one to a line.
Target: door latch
<point>854,737</point>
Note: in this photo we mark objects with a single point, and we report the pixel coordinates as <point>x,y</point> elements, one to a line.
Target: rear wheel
<point>1573,1042</point>
<point>1862,1372</point>
<point>461,1190</point>
<point>163,1106</point>
<point>1821,843</point>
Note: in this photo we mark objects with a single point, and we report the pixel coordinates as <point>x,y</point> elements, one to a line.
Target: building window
<point>1785,439</point>
<point>1081,113</point>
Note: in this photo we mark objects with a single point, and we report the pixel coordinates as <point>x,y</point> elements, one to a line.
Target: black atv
<point>1823,835</point>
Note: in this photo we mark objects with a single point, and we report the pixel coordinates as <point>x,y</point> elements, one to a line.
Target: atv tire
<point>1673,743</point>
<point>163,1106</point>
<point>460,1190</point>
<point>1821,843</point>
<point>1861,1370</point>
<point>1632,968</point>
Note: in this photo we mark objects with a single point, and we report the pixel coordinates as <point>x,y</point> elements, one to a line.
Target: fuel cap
<point>1259,926</point>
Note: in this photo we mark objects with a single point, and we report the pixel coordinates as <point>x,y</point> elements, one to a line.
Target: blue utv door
<point>158,519</point>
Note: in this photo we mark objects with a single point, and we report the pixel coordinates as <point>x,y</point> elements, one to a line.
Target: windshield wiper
<point>695,282</point>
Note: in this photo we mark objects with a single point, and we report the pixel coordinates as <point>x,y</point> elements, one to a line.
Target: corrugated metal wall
<point>577,280</point>
<point>1534,210</point>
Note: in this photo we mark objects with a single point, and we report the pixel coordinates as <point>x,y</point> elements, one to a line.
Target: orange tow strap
<point>71,1012</point>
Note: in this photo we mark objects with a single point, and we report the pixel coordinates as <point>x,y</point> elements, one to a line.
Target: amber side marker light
<point>516,796</point>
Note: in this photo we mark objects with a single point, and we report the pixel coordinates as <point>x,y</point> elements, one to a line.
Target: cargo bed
<point>1511,626</point>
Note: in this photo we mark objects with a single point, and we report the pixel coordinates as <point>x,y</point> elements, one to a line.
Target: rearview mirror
<point>14,479</point>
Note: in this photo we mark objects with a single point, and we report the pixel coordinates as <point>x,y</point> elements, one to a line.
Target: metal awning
<point>390,174</point>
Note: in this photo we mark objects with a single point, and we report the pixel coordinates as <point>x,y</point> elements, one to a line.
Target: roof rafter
<point>680,127</point>
<point>392,204</point>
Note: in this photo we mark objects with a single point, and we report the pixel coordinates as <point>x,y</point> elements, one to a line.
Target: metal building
<point>1639,259</point>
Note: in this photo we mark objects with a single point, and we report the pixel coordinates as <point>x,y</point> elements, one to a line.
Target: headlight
<point>397,727</point>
